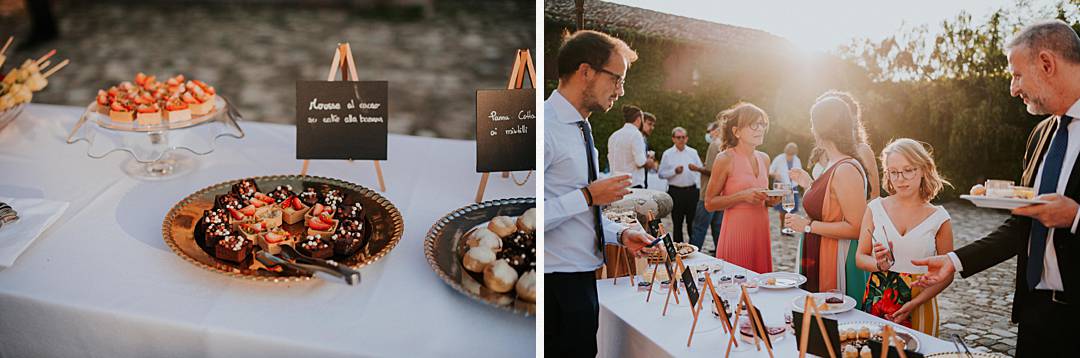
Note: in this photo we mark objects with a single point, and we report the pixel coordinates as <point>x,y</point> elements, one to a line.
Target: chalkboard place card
<point>341,119</point>
<point>505,130</point>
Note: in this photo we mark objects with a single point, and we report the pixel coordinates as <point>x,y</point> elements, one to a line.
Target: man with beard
<point>1044,61</point>
<point>628,149</point>
<point>592,68</point>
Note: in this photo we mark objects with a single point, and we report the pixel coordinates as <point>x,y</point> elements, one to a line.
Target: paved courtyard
<point>254,52</point>
<point>976,308</point>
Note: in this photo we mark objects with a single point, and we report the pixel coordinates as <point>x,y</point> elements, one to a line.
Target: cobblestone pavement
<point>254,53</point>
<point>976,308</point>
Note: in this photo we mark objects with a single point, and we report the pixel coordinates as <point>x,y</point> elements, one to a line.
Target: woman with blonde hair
<point>834,202</point>
<point>902,227</point>
<point>739,177</point>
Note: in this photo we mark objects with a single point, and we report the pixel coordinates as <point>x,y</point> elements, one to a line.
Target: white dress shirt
<point>674,158</point>
<point>779,167</point>
<point>1051,276</point>
<point>569,234</point>
<point>626,153</point>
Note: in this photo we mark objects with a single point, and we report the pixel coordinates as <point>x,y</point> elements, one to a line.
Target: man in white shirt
<point>679,165</point>
<point>626,148</point>
<point>591,68</point>
<point>781,166</point>
<point>1044,60</point>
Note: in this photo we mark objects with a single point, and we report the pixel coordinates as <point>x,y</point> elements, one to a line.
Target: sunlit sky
<point>824,25</point>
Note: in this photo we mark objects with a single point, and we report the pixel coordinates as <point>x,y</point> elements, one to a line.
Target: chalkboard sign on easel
<point>343,119</point>
<point>490,156</point>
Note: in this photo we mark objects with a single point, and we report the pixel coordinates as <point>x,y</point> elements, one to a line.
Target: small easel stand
<point>719,308</point>
<point>620,257</point>
<point>756,324</point>
<point>810,310</point>
<point>523,63</point>
<point>887,335</point>
<point>343,60</point>
<point>656,266</point>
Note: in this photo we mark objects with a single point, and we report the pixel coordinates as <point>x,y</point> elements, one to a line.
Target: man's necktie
<point>586,131</point>
<point>1055,157</point>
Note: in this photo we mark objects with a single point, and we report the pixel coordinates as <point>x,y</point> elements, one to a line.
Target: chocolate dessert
<point>834,300</point>
<point>332,197</point>
<point>233,248</point>
<point>215,233</point>
<point>519,250</point>
<point>310,197</point>
<point>281,193</point>
<point>210,217</point>
<point>348,239</point>
<point>351,212</point>
<point>315,246</point>
<point>245,189</point>
<point>228,201</point>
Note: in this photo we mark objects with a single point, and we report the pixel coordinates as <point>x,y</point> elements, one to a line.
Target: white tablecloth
<point>101,282</point>
<point>630,327</point>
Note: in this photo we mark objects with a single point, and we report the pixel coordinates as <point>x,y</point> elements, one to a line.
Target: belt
<point>682,187</point>
<point>1054,296</point>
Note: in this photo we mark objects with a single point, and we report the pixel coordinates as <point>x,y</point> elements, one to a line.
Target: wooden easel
<point>756,324</point>
<point>887,335</point>
<point>810,309</point>
<point>674,291</point>
<point>343,60</point>
<point>656,266</point>
<point>522,63</point>
<point>719,308</point>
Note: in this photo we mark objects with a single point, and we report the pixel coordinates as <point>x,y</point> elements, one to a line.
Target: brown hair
<point>921,158</point>
<point>631,113</point>
<point>835,118</point>
<point>592,48</point>
<point>740,115</point>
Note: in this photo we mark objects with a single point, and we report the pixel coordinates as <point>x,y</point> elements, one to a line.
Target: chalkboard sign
<point>816,346</point>
<point>653,227</point>
<point>875,349</point>
<point>505,130</point>
<point>691,286</point>
<point>669,245</point>
<point>341,119</point>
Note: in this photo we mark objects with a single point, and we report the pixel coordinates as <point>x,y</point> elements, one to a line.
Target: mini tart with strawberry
<point>148,114</point>
<point>320,221</point>
<point>272,240</point>
<point>245,215</point>
<point>200,100</point>
<point>177,110</point>
<point>252,230</point>
<point>121,112</point>
<point>103,101</point>
<point>294,210</point>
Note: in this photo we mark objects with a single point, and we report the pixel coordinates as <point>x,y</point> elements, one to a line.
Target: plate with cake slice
<point>487,251</point>
<point>827,303</point>
<point>222,227</point>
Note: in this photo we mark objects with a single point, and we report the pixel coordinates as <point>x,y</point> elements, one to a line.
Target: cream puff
<point>526,286</point>
<point>478,259</point>
<point>500,277</point>
<point>527,221</point>
<point>502,226</point>
<point>485,238</point>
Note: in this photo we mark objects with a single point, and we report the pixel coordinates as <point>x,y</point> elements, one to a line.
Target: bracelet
<point>618,237</point>
<point>588,196</point>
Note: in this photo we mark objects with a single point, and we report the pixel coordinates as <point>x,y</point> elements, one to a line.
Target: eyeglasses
<point>619,80</point>
<point>679,137</point>
<point>908,173</point>
<point>759,125</point>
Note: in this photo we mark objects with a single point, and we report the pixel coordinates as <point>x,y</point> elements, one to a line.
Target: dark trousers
<point>571,314</point>
<point>685,205</point>
<point>1047,328</point>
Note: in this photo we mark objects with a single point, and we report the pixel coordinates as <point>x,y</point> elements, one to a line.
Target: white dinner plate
<point>783,280</point>
<point>849,303</point>
<point>1000,203</point>
<point>776,192</point>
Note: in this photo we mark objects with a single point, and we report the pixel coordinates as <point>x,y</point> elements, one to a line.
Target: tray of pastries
<point>223,227</point>
<point>147,104</point>
<point>1001,194</point>
<point>855,335</point>
<point>487,251</point>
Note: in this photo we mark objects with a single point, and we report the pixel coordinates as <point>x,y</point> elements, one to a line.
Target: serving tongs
<point>959,342</point>
<point>323,269</point>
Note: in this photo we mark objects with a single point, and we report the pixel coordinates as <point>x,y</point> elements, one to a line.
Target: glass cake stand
<point>159,151</point>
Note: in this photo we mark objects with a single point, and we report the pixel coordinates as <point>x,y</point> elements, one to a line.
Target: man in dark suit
<point>1044,61</point>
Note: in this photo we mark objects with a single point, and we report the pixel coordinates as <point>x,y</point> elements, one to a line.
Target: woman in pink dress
<point>738,178</point>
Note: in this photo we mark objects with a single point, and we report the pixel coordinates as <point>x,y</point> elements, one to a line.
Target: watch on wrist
<point>806,230</point>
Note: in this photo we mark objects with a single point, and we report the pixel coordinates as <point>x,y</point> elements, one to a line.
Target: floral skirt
<point>887,291</point>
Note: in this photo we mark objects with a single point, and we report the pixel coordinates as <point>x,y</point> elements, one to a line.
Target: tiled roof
<point>615,17</point>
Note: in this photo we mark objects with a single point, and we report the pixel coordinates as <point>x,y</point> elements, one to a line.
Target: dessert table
<point>630,327</point>
<point>101,281</point>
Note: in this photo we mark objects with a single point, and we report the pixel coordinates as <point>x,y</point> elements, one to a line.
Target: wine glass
<point>787,203</point>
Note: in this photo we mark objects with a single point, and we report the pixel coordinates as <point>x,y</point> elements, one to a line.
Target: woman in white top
<point>913,229</point>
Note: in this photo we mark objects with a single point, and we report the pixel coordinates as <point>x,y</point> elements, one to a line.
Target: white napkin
<point>35,215</point>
